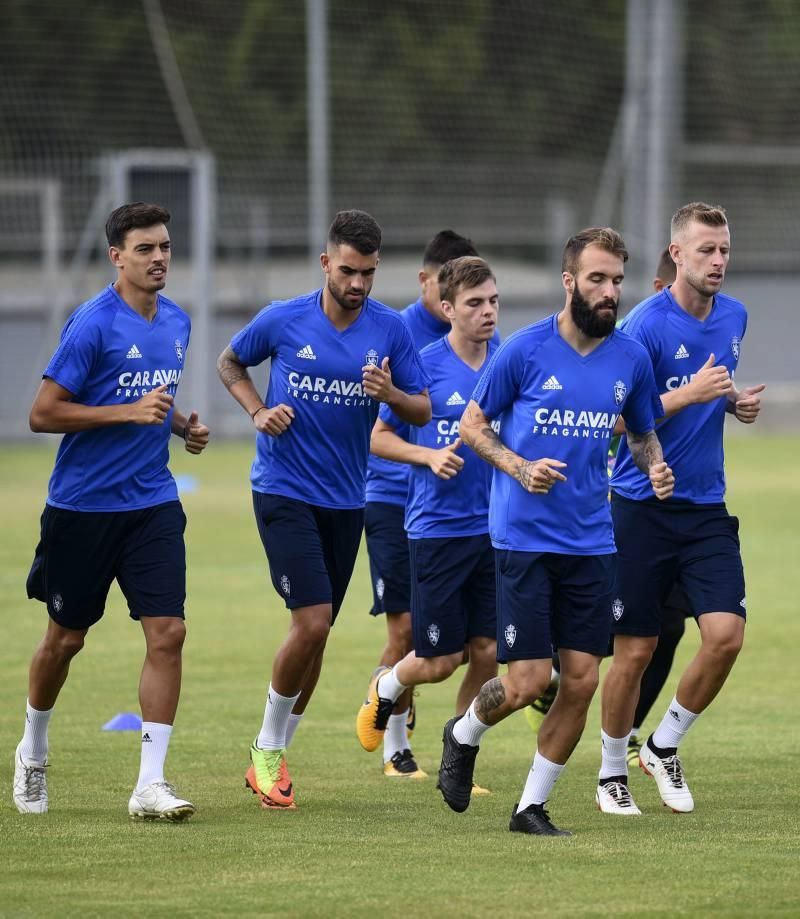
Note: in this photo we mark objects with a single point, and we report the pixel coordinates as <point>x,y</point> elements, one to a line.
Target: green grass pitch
<point>360,844</point>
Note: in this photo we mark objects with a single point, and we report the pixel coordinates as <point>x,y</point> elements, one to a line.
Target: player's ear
<point>114,256</point>
<point>568,281</point>
<point>325,261</point>
<point>658,285</point>
<point>448,309</point>
<point>674,252</point>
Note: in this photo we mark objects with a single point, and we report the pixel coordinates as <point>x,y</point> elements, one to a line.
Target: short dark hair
<point>357,229</point>
<point>603,237</point>
<point>712,215</point>
<point>133,216</point>
<point>666,268</point>
<point>462,274</point>
<point>446,245</point>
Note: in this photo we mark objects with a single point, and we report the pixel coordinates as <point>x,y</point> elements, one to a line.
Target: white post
<point>318,134</point>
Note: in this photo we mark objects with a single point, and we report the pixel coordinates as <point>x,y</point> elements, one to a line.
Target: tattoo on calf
<point>491,696</point>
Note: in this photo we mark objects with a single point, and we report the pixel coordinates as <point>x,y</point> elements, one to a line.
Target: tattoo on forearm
<point>490,447</point>
<point>491,696</point>
<point>645,450</point>
<point>230,369</point>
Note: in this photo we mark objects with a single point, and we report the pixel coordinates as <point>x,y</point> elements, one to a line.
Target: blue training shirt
<point>446,507</point>
<point>678,345</point>
<point>109,355</point>
<point>322,457</point>
<point>388,481</point>
<point>552,402</point>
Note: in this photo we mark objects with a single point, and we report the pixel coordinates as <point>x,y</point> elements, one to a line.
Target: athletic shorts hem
<point>306,500</point>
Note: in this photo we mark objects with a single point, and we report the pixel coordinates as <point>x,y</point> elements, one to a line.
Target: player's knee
<point>579,688</point>
<point>633,657</point>
<point>440,668</point>
<point>315,631</point>
<point>483,654</point>
<point>65,643</point>
<point>525,691</point>
<point>727,645</point>
<point>167,637</point>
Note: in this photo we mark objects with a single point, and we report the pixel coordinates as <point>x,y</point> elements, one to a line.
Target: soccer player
<point>557,388</point>
<point>335,355</point>
<point>112,509</point>
<point>452,561</point>
<point>387,489</point>
<point>685,329</point>
<point>676,606</point>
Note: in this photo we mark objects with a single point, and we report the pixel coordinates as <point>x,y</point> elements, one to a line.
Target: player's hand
<point>153,407</point>
<point>377,381</point>
<point>710,382</point>
<point>274,421</point>
<point>195,434</point>
<point>539,476</point>
<point>446,463</point>
<point>662,480</point>
<point>748,404</point>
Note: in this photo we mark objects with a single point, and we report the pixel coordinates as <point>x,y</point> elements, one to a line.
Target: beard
<point>338,295</point>
<point>587,318</point>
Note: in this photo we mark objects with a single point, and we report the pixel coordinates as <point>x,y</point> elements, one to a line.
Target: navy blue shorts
<point>659,543</point>
<point>452,593</point>
<point>311,550</point>
<point>80,553</point>
<point>547,602</point>
<point>389,565</point>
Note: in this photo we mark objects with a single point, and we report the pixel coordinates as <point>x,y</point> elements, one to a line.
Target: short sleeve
<point>405,364</point>
<point>401,428</point>
<point>258,339</point>
<point>500,383</point>
<point>80,347</point>
<point>643,405</point>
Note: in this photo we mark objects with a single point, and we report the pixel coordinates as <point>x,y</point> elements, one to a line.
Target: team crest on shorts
<point>433,634</point>
<point>617,608</point>
<point>179,349</point>
<point>620,391</point>
<point>58,602</point>
<point>286,586</point>
<point>511,635</point>
<point>372,357</point>
<point>380,587</point>
<point>735,344</point>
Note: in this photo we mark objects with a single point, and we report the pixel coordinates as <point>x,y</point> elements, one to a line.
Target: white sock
<point>291,726</point>
<point>612,753</point>
<point>34,740</point>
<point>272,735</point>
<point>389,687</point>
<point>395,740</point>
<point>541,778</point>
<point>469,729</point>
<point>674,725</point>
<point>155,741</point>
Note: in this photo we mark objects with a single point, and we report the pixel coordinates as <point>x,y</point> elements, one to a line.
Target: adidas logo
<point>307,353</point>
<point>456,399</point>
<point>681,352</point>
<point>134,352</point>
<point>674,714</point>
<point>551,383</point>
<point>146,738</point>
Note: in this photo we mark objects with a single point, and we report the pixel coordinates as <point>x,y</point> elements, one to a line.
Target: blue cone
<point>124,721</point>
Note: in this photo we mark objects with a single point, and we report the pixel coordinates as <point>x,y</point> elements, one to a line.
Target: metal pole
<point>662,127</point>
<point>636,52</point>
<point>202,249</point>
<point>318,131</point>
